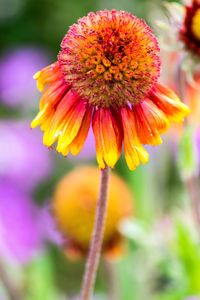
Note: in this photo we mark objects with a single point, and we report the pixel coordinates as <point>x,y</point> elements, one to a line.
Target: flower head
<point>116,58</point>
<point>190,30</point>
<point>185,40</point>
<point>106,74</point>
<point>74,207</point>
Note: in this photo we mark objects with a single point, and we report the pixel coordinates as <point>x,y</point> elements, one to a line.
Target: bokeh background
<point>162,261</point>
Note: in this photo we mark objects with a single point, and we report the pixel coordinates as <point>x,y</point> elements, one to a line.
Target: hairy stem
<point>97,238</point>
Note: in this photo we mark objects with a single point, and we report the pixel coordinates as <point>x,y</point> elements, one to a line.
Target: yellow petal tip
<point>36,75</point>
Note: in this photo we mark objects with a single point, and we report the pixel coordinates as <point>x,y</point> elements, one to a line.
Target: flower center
<point>110,58</point>
<point>195,26</point>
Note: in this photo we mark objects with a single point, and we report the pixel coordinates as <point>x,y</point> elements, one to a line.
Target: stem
<point>191,183</point>
<point>12,291</point>
<point>97,238</point>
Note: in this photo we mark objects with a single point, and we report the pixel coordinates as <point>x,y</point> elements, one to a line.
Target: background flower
<point>17,67</point>
<point>74,205</point>
<point>20,235</point>
<point>23,159</point>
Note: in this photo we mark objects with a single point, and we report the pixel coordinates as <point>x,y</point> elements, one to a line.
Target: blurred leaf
<point>187,158</point>
<point>40,283</point>
<point>188,251</point>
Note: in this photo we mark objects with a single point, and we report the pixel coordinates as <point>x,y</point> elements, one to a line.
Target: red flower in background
<point>190,31</point>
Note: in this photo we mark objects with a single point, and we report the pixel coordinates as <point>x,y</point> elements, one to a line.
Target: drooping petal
<point>79,140</point>
<point>134,151</point>
<point>47,75</point>
<point>60,117</point>
<point>150,122</point>
<point>42,116</point>
<point>49,100</point>
<point>169,103</point>
<point>54,93</point>
<point>71,127</point>
<point>108,137</point>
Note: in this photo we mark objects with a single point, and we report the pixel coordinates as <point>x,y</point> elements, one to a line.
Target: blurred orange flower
<point>74,206</point>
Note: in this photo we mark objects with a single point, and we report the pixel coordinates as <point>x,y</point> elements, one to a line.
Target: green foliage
<point>39,281</point>
<point>187,156</point>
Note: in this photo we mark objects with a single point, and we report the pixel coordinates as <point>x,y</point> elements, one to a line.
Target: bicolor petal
<point>47,75</point>
<point>108,137</point>
<point>134,151</point>
<point>150,122</point>
<point>169,103</point>
<point>77,144</point>
<point>72,127</point>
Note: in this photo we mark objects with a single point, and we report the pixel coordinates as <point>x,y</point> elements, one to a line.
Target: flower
<point>20,236</point>
<point>16,90</point>
<point>74,206</point>
<point>23,160</point>
<point>24,226</point>
<point>106,74</point>
<point>184,22</point>
<point>189,32</point>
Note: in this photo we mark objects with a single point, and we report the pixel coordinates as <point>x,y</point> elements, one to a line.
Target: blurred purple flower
<point>17,68</point>
<point>20,235</point>
<point>24,227</point>
<point>48,227</point>
<point>23,158</point>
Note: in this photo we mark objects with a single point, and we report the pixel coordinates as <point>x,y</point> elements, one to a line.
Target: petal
<point>72,126</point>
<point>79,140</point>
<point>54,93</point>
<point>47,75</point>
<point>150,122</point>
<point>60,118</point>
<point>169,103</point>
<point>48,103</point>
<point>42,116</point>
<point>134,152</point>
<point>98,139</point>
<point>108,137</point>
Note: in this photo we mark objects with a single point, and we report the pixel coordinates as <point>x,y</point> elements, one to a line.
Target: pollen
<point>195,26</point>
<point>110,55</point>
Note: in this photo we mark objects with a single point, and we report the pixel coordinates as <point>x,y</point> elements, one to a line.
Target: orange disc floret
<point>110,42</point>
<point>106,77</point>
<point>74,206</point>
